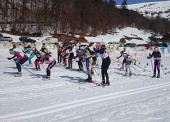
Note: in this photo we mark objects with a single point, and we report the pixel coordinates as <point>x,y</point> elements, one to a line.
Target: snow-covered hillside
<point>139,36</point>
<point>153,9</point>
<point>123,33</point>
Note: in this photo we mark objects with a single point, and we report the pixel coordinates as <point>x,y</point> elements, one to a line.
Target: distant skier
<point>128,66</point>
<point>124,55</point>
<point>80,58</point>
<point>51,63</point>
<point>19,58</point>
<point>29,53</point>
<point>101,50</point>
<point>44,48</point>
<point>157,61</point>
<point>59,54</point>
<point>70,58</point>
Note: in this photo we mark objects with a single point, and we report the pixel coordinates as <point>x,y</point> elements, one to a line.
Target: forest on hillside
<point>83,17</point>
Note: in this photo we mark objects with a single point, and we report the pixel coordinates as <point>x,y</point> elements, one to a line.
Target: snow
<point>139,98</point>
<point>125,32</point>
<point>161,8</point>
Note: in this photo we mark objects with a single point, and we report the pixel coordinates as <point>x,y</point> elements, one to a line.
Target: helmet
<point>11,51</point>
<point>98,45</point>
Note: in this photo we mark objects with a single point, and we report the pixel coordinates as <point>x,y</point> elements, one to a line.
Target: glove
<point>148,57</point>
<point>16,61</point>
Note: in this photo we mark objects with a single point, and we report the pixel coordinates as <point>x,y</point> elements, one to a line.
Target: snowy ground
<point>139,98</point>
<point>153,9</point>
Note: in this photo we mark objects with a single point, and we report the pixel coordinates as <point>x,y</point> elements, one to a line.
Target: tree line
<point>83,17</point>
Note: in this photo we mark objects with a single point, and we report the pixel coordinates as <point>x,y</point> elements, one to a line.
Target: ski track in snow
<point>91,102</point>
<point>79,103</point>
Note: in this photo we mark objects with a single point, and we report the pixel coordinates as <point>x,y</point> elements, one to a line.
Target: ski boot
<point>88,80</point>
<point>68,68</point>
<point>37,69</point>
<point>107,83</point>
<point>130,73</point>
<point>154,76</point>
<point>101,84</point>
<point>48,77</point>
<point>158,76</point>
<point>19,74</point>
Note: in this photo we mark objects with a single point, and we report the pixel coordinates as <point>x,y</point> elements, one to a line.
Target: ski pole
<point>99,69</point>
<point>95,70</point>
<point>163,69</point>
<point>152,64</point>
<point>142,68</point>
<point>43,66</point>
<point>134,68</point>
<point>27,69</point>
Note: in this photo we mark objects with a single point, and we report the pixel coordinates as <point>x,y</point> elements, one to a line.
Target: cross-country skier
<point>51,62</point>
<point>38,58</point>
<point>101,50</point>
<point>157,61</point>
<point>19,58</point>
<point>44,48</point>
<point>59,54</point>
<point>128,66</point>
<point>124,55</point>
<point>80,58</point>
<point>29,53</point>
<point>70,58</point>
<point>89,61</point>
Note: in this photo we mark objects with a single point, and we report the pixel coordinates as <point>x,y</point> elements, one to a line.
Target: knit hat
<point>11,51</point>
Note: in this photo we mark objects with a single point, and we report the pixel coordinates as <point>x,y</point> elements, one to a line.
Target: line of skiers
<point>85,57</point>
<point>42,56</point>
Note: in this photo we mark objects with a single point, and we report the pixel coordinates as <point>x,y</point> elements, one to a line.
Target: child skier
<point>19,58</point>
<point>101,49</point>
<point>80,58</point>
<point>70,58</point>
<point>51,62</point>
<point>38,59</point>
<point>59,54</point>
<point>29,53</point>
<point>124,55</point>
<point>44,48</point>
<point>128,65</point>
<point>157,61</point>
<point>89,61</point>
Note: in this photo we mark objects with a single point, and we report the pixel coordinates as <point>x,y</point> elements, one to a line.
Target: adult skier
<point>101,50</point>
<point>157,61</point>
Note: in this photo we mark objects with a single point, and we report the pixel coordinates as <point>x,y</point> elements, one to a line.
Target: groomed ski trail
<point>79,103</point>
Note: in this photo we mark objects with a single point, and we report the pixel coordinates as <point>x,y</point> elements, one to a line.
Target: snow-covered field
<point>138,98</point>
<point>120,33</point>
<point>153,9</point>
